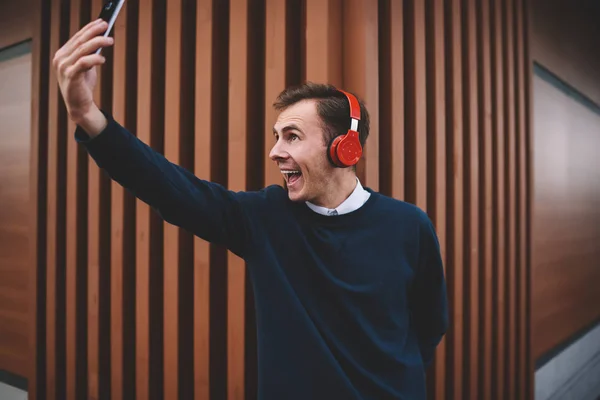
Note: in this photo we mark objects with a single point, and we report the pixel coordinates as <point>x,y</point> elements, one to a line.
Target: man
<point>349,284</point>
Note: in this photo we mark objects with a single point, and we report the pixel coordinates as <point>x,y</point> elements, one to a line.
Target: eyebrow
<point>291,127</point>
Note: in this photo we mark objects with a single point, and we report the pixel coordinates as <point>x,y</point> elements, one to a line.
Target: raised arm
<point>206,209</point>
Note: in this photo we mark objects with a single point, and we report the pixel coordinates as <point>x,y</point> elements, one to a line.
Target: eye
<point>293,137</point>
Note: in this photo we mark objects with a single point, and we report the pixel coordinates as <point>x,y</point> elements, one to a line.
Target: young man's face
<point>301,153</point>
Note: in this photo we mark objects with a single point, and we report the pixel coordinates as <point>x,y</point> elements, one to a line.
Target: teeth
<point>290,172</point>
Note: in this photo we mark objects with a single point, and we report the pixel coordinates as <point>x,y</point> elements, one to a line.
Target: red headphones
<point>345,150</point>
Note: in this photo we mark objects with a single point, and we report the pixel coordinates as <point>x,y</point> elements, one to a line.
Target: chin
<point>296,196</point>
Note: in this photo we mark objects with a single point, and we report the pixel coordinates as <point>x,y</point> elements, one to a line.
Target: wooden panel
<point>76,244</point>
<point>565,217</point>
<point>323,38</point>
<point>361,77</point>
<point>455,172</point>
<point>72,234</point>
<point>237,145</point>
<point>142,217</point>
<point>499,199</point>
<point>149,228</point>
<point>36,375</point>
<point>415,104</point>
<point>205,75</point>
<point>471,200</point>
<point>564,38</point>
<point>437,171</point>
<point>523,299</point>
<point>17,21</point>
<point>486,201</point>
<point>117,216</point>
<point>15,100</point>
<point>99,253</point>
<point>276,67</point>
<point>563,176</point>
<point>528,110</point>
<point>171,232</point>
<point>51,213</point>
<point>510,183</point>
<point>391,94</point>
<point>122,285</point>
<point>55,339</point>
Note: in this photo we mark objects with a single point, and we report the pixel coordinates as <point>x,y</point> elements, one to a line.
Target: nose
<point>277,152</point>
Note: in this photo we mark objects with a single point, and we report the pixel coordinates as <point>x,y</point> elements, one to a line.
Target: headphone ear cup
<point>332,152</point>
<point>349,149</point>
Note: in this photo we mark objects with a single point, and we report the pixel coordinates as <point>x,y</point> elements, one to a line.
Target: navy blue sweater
<point>348,307</point>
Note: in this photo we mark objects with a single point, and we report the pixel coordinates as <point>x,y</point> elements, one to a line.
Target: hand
<point>75,68</point>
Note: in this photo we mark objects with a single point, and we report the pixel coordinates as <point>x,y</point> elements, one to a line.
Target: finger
<point>84,64</point>
<point>92,29</point>
<point>86,28</point>
<point>84,50</point>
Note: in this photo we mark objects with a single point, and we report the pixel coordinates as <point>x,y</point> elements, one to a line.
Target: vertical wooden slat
<point>186,117</point>
<point>471,200</point>
<point>172,234</point>
<point>122,206</point>
<point>99,246</point>
<point>72,208</point>
<point>118,214</point>
<point>521,66</point>
<point>528,176</point>
<point>51,212</point>
<point>361,76</point>
<point>144,108</point>
<point>323,38</point>
<point>415,104</point>
<point>76,262</point>
<point>255,110</point>
<point>55,260</point>
<point>276,71</point>
<point>510,180</point>
<point>236,288</point>
<point>203,160</point>
<point>149,228</point>
<point>391,90</point>
<point>455,171</point>
<point>499,193</point>
<point>436,138</point>
<point>129,208</point>
<point>486,180</point>
<point>41,62</point>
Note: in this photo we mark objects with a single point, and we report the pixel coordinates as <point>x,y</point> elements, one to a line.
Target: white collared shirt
<point>358,197</point>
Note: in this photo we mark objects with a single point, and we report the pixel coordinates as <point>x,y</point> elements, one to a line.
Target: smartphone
<point>109,13</point>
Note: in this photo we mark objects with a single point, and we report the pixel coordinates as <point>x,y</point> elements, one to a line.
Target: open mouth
<point>291,176</point>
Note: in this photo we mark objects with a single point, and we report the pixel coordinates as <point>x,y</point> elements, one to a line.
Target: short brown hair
<point>332,108</point>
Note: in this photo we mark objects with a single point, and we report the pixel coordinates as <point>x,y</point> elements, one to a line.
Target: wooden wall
<point>15,91</point>
<point>128,306</point>
<point>566,218</point>
<point>566,183</point>
<point>16,21</point>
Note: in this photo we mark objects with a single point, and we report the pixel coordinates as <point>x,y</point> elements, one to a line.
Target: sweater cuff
<point>105,147</point>
<point>82,137</point>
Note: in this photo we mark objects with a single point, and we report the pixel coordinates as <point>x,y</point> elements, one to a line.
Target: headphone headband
<point>354,105</point>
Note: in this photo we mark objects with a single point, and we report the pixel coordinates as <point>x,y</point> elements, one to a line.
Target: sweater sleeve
<point>204,208</point>
<point>428,303</point>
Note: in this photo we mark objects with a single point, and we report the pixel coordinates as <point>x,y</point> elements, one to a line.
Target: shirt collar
<point>356,199</point>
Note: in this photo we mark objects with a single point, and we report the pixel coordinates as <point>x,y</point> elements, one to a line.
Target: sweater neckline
<point>341,219</point>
